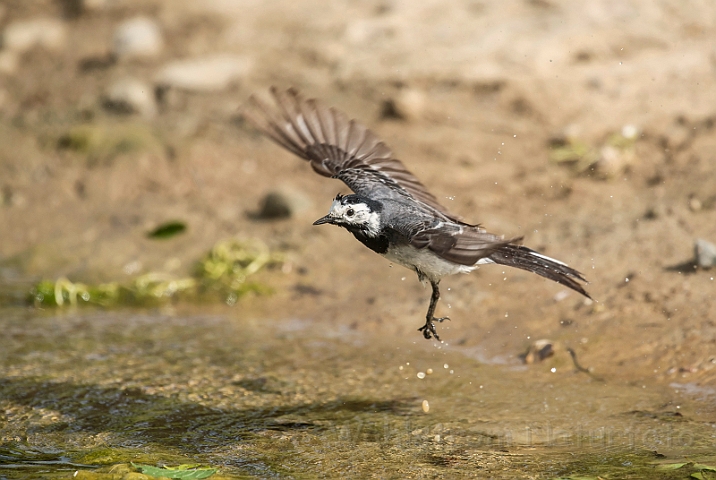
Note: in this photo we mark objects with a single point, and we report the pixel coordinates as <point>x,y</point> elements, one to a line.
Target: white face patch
<point>356,214</point>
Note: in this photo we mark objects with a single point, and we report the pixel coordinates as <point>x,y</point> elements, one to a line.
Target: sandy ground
<point>487,92</point>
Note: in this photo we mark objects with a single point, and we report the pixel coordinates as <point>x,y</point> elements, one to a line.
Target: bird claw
<point>429,330</point>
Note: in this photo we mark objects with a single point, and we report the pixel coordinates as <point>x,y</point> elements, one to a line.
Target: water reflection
<point>294,398</point>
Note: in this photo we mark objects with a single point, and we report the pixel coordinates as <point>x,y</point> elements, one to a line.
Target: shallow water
<point>84,391</point>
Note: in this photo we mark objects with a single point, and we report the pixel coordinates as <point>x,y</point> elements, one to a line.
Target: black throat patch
<point>378,244</point>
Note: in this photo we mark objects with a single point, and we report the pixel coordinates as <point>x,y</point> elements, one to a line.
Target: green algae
<point>188,471</point>
<point>224,272</point>
<point>95,391</point>
<point>104,142</point>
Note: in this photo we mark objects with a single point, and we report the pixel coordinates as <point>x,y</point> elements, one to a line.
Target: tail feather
<point>527,259</point>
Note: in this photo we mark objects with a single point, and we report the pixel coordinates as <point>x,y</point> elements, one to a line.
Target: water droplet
<point>421,375</point>
<point>452,371</point>
<point>552,369</point>
<point>429,371</point>
<point>446,366</point>
<point>426,406</point>
<point>400,367</point>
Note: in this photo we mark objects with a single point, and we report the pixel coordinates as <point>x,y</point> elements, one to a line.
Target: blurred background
<point>587,127</point>
<point>128,178</point>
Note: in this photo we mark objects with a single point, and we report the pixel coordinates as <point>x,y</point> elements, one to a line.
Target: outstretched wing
<point>337,147</point>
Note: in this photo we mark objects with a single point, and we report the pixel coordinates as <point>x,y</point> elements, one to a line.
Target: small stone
<point>630,131</point>
<point>695,204</point>
<point>282,203</point>
<point>705,253</point>
<point>48,33</point>
<point>613,161</point>
<point>138,37</point>
<point>538,351</point>
<point>208,74</point>
<point>130,95</point>
<point>408,104</point>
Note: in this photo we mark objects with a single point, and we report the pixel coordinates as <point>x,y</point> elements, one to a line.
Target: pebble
<point>538,351</point>
<point>613,161</point>
<point>207,74</point>
<point>408,104</point>
<point>282,203</point>
<point>695,204</point>
<point>705,253</point>
<point>137,37</point>
<point>129,95</point>
<point>48,33</point>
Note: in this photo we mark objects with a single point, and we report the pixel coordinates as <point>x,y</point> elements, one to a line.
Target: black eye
<point>350,212</point>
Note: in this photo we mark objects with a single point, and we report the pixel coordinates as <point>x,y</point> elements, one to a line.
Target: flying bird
<point>390,211</point>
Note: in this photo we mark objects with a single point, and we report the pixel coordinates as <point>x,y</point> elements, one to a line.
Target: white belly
<point>426,261</point>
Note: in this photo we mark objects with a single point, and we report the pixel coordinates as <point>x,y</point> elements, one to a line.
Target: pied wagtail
<point>391,212</point>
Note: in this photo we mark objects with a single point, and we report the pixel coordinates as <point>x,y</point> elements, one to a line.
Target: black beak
<point>322,220</point>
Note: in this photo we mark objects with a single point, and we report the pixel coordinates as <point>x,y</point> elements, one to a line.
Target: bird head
<point>354,213</point>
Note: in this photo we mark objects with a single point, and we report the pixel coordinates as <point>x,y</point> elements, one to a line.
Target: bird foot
<point>429,328</point>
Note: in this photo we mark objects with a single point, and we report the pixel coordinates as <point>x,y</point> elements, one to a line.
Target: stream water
<point>85,391</point>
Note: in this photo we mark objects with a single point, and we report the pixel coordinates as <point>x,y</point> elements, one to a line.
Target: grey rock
<point>282,203</point>
<point>705,253</point>
<point>137,37</point>
<point>207,74</point>
<point>407,104</point>
<point>48,33</point>
<point>130,95</point>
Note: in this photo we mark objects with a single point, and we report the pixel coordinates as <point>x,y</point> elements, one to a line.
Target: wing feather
<point>461,244</point>
<point>338,147</point>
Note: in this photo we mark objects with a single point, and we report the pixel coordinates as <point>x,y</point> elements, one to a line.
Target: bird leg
<point>429,328</point>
